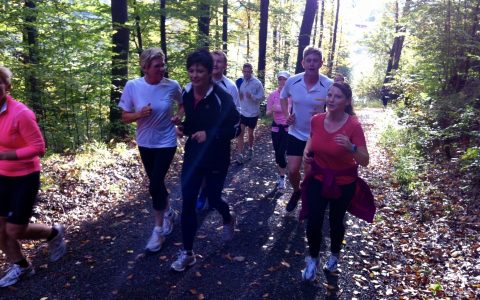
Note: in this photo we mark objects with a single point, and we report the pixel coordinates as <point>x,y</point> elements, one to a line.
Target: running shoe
<point>331,264</point>
<point>281,183</point>
<point>183,260</point>
<point>156,240</point>
<point>292,203</point>
<point>16,273</point>
<point>56,246</point>
<point>229,229</point>
<point>310,271</point>
<point>168,219</point>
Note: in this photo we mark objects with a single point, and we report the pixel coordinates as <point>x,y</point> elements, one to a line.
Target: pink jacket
<point>19,132</point>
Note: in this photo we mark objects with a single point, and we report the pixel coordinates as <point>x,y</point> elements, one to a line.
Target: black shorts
<point>17,197</point>
<point>295,146</point>
<point>249,121</point>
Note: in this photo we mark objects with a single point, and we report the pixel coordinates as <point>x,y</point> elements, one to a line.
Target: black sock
<point>23,263</point>
<point>52,235</point>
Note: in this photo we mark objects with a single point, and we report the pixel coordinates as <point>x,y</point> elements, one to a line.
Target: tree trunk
<point>473,34</point>
<point>396,50</point>
<point>225,28</point>
<point>204,24</point>
<point>262,40</point>
<point>311,7</point>
<point>249,25</point>
<point>322,15</point>
<point>315,25</point>
<point>138,32</point>
<point>119,66</point>
<point>30,35</point>
<point>334,42</point>
<point>163,32</point>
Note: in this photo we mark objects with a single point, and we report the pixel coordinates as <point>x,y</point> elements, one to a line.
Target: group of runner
<point>210,111</point>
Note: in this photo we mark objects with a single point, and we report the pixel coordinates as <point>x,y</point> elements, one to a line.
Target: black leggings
<point>192,178</point>
<point>156,162</point>
<point>316,211</point>
<point>279,141</point>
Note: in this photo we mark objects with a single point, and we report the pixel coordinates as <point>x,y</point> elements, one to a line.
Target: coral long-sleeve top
<point>19,132</point>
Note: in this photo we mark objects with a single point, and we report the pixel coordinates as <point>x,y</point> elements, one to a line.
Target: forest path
<point>106,260</point>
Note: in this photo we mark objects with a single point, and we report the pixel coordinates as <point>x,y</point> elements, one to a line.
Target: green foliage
<point>405,148</point>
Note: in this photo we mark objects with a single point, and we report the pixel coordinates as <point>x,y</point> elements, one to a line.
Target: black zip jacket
<point>217,115</point>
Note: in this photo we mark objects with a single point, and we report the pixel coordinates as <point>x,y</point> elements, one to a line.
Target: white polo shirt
<point>305,103</point>
<point>251,107</point>
<point>156,130</point>
<point>230,87</point>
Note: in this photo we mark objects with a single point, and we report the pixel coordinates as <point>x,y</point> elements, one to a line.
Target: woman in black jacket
<point>211,122</point>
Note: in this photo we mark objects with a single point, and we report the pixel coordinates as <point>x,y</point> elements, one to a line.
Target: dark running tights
<point>279,141</point>
<point>156,162</point>
<point>192,178</point>
<point>316,211</point>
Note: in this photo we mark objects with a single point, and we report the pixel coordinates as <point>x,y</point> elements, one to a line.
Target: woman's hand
<point>308,157</point>
<point>344,141</point>
<point>145,111</point>
<point>291,119</point>
<point>176,120</point>
<point>200,136</point>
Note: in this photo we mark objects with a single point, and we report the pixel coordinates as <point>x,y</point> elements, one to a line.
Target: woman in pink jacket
<point>21,145</point>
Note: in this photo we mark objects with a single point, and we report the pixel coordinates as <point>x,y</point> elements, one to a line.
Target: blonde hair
<point>148,55</point>
<point>6,75</point>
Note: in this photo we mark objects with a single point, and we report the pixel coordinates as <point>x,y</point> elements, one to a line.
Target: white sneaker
<point>331,264</point>
<point>56,246</point>
<point>281,183</point>
<point>183,260</point>
<point>15,273</point>
<point>168,219</point>
<point>156,240</point>
<point>310,271</point>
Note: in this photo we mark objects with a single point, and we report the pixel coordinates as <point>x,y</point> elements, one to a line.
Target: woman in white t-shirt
<point>149,101</point>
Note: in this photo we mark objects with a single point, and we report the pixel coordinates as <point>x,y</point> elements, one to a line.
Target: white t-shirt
<point>156,130</point>
<point>230,87</point>
<point>250,107</point>
<point>305,103</point>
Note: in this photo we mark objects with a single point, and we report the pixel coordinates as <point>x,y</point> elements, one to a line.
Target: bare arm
<point>129,117</point>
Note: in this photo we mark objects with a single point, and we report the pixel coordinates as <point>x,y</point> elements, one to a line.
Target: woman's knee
<point>14,231</point>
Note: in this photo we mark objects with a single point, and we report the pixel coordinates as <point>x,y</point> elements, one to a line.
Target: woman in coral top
<point>21,145</point>
<point>336,147</point>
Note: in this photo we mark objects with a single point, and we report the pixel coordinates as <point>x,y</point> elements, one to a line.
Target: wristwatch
<point>354,148</point>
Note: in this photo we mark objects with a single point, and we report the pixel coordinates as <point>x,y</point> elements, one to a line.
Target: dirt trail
<point>106,261</point>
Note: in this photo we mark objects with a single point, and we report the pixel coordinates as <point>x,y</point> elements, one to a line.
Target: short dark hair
<point>247,65</point>
<point>347,92</point>
<point>201,57</point>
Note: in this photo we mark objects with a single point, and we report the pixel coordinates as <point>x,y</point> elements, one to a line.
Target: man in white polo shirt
<point>251,95</point>
<point>308,93</point>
